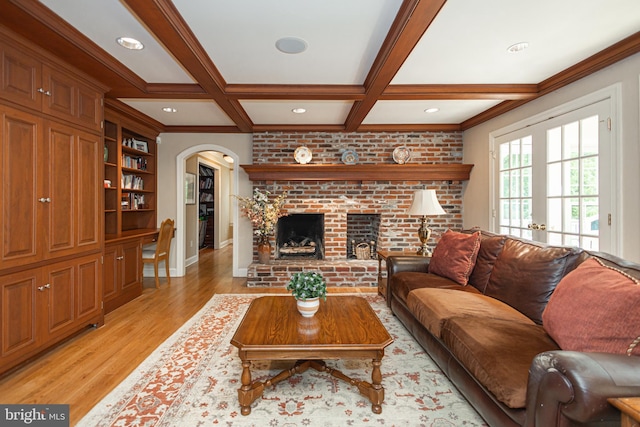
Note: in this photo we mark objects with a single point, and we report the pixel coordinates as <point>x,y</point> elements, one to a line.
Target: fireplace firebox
<point>300,236</point>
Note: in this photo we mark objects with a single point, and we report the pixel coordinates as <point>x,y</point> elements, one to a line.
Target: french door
<point>554,180</point>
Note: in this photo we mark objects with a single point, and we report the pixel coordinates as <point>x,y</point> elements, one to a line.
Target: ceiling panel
<point>468,41</point>
<point>153,63</point>
<point>280,112</point>
<point>412,112</point>
<point>189,112</point>
<point>343,38</point>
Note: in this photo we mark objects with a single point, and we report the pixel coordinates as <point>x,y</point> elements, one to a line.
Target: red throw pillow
<point>594,308</point>
<point>455,255</point>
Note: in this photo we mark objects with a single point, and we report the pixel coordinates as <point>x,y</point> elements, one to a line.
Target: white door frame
<point>614,94</point>
<point>180,206</point>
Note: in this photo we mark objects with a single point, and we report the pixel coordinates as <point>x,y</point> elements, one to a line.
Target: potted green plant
<point>307,288</point>
<point>263,210</point>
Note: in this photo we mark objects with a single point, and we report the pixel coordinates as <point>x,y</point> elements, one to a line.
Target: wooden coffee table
<point>345,327</point>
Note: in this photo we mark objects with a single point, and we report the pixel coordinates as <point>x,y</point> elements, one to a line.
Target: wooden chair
<point>151,255</point>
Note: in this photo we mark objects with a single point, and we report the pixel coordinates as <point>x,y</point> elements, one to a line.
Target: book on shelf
<point>133,201</point>
<point>132,182</point>
<point>132,162</point>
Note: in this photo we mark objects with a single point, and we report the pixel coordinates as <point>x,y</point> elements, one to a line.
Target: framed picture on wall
<point>189,188</point>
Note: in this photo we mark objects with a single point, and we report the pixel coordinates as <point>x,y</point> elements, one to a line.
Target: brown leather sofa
<point>488,338</point>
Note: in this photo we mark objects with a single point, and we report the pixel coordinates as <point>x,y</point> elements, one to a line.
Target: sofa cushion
<point>455,256</point>
<point>498,353</point>
<point>526,273</point>
<point>433,307</point>
<point>490,248</point>
<point>405,282</point>
<point>595,308</point>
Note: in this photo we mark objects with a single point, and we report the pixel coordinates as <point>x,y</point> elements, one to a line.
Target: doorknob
<point>535,226</point>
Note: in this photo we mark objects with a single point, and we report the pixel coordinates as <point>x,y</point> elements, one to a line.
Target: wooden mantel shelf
<point>364,172</point>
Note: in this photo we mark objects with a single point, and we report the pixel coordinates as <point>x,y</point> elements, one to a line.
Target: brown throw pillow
<point>595,308</point>
<point>455,255</point>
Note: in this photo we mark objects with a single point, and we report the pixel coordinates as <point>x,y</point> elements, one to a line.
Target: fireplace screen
<point>300,236</point>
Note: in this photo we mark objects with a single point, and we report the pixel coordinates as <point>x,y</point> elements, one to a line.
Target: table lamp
<point>425,203</point>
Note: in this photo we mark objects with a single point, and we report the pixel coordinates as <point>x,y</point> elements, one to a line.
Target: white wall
<point>174,145</point>
<point>476,201</point>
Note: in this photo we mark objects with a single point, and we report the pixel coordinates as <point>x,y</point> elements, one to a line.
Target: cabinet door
<point>88,292</point>
<point>60,282</point>
<point>110,272</point>
<point>21,189</point>
<point>89,200</point>
<point>60,94</point>
<point>21,77</point>
<point>130,264</point>
<point>89,111</point>
<point>19,297</point>
<point>74,294</point>
<point>61,172</point>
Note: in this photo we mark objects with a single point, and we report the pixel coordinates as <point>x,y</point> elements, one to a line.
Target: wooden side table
<point>630,410</point>
<point>382,280</point>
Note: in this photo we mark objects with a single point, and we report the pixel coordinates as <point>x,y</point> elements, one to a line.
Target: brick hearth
<point>335,199</point>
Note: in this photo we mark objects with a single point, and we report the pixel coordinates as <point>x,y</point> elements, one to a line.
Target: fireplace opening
<point>363,231</point>
<point>300,236</point>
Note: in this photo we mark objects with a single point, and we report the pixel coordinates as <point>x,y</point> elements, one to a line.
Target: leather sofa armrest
<point>575,386</point>
<point>397,264</point>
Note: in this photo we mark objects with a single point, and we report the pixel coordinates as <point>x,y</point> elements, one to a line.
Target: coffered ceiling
<point>367,64</point>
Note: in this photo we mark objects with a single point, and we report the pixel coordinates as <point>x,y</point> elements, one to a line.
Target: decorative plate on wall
<point>349,157</point>
<point>302,155</point>
<point>401,155</point>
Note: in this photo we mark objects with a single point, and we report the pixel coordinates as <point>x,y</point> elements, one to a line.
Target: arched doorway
<point>180,206</point>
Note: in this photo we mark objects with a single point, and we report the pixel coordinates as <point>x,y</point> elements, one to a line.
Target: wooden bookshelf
<point>130,178</point>
<point>206,205</point>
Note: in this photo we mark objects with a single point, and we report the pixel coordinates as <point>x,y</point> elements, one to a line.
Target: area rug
<point>192,380</point>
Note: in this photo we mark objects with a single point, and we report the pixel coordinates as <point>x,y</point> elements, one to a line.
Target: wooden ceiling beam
<point>164,21</point>
<point>311,92</point>
<point>411,22</point>
<point>462,91</point>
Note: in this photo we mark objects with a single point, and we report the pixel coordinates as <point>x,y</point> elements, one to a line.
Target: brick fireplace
<point>382,201</point>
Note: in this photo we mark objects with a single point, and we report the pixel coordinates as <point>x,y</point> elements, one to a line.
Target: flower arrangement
<point>306,285</point>
<point>262,212</point>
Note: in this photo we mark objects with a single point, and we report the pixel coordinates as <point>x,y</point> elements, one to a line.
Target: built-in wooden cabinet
<point>37,83</point>
<point>51,201</point>
<point>129,153</point>
<point>122,273</point>
<point>42,305</point>
<point>50,189</point>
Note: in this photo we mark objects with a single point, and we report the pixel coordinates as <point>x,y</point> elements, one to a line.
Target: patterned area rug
<point>192,380</point>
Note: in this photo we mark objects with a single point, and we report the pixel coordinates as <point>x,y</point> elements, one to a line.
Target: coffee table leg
<point>376,393</point>
<point>248,392</point>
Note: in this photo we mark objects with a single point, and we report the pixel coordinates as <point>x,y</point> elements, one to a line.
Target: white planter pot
<point>309,307</point>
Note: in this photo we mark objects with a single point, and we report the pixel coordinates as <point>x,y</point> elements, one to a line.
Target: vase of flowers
<point>263,210</point>
<point>307,288</point>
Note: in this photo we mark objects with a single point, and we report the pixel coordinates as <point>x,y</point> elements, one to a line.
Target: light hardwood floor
<point>81,371</point>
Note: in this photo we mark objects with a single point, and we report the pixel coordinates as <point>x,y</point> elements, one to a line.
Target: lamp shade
<point>425,203</point>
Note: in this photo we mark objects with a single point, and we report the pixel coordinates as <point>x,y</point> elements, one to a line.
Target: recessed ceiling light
<point>291,45</point>
<point>514,48</point>
<point>227,158</point>
<point>431,110</point>
<point>299,110</point>
<point>169,110</point>
<point>129,43</point>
